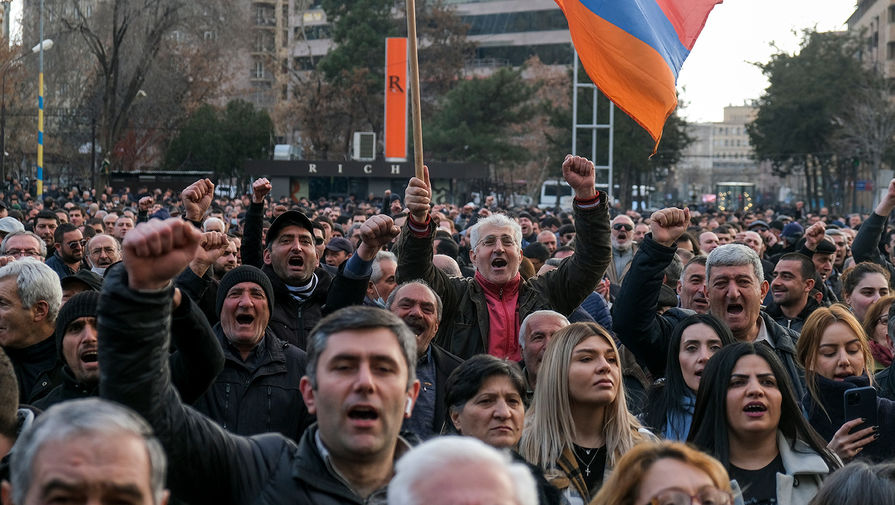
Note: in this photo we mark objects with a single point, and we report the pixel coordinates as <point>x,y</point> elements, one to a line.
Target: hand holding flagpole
<point>415,89</point>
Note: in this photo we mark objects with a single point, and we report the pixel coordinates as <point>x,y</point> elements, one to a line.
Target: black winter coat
<point>207,465</point>
<point>263,398</point>
<point>831,398</point>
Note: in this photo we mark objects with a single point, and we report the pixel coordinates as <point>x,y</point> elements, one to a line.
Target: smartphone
<point>860,403</point>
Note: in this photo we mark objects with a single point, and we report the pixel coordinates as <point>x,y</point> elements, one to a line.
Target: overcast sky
<point>719,70</point>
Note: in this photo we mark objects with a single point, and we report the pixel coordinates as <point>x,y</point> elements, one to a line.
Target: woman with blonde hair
<point>836,355</point>
<point>578,426</point>
<point>666,473</point>
<point>876,327</point>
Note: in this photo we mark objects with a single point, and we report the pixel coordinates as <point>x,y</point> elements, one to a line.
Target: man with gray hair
<point>87,451</point>
<point>535,333</point>
<point>360,382</point>
<point>734,287</point>
<point>482,314</point>
<point>22,244</point>
<point>430,473</point>
<point>382,280</point>
<point>31,295</point>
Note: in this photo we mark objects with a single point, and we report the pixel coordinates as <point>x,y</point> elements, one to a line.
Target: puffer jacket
<point>264,469</point>
<point>261,399</point>
<point>465,323</point>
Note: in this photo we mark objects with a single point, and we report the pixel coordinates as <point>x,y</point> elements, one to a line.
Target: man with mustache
<point>623,248</point>
<point>420,308</point>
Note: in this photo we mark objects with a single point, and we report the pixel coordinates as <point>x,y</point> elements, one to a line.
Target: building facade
<point>875,20</point>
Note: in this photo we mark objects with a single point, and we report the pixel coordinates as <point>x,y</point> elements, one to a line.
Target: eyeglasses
<point>884,320</point>
<point>759,228</point>
<point>491,241</point>
<point>18,253</point>
<point>705,496</point>
<point>77,243</point>
<point>622,226</point>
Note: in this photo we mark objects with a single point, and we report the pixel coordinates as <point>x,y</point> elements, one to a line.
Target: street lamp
<point>44,45</point>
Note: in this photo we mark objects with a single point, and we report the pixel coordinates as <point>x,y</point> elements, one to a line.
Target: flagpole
<point>415,89</point>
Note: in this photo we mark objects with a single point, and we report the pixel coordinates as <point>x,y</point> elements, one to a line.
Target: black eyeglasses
<point>622,226</point>
<point>77,243</point>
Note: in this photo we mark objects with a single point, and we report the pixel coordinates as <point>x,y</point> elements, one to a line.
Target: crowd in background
<point>410,351</point>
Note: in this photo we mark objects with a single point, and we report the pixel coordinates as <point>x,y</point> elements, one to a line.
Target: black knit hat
<point>82,304</point>
<point>244,273</point>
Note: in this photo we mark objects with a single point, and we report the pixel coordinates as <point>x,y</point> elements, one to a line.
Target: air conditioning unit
<point>364,148</point>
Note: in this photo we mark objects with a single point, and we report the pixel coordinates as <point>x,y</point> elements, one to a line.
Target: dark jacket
<point>445,363</point>
<point>465,321</point>
<point>59,266</point>
<point>866,244</point>
<point>263,469</point>
<point>262,397</point>
<point>795,324</point>
<point>291,320</point>
<point>885,382</point>
<point>195,361</point>
<point>38,369</point>
<point>647,334</point>
<point>831,398</point>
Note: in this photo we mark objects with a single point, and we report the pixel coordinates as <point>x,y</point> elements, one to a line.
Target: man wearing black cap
<point>257,391</point>
<point>289,259</point>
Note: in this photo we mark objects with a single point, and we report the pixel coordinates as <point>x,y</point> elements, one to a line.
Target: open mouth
<point>245,319</point>
<point>415,325</point>
<point>498,263</point>
<point>89,356</point>
<point>363,413</point>
<point>755,408</point>
<point>842,375</point>
<point>698,373</point>
<point>296,261</point>
<point>735,309</point>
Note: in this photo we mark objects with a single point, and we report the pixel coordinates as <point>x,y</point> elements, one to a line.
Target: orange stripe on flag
<point>629,72</point>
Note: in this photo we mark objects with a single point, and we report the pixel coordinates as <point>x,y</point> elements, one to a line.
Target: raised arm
<point>134,323</point>
<point>350,283</point>
<point>252,250</point>
<point>635,317</point>
<point>578,275</point>
<point>865,246</point>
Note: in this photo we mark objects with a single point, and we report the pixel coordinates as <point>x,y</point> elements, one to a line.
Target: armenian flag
<point>633,50</point>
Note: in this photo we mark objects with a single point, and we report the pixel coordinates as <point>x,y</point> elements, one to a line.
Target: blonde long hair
<point>549,427</point>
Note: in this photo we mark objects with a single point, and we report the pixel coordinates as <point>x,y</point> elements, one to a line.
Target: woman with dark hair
<point>484,399</point>
<point>836,355</point>
<point>672,399</point>
<point>862,285</point>
<point>748,418</point>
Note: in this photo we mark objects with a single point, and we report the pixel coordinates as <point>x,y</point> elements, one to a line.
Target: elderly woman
<point>484,399</point>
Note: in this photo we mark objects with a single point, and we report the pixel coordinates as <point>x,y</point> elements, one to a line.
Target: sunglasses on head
<point>622,226</point>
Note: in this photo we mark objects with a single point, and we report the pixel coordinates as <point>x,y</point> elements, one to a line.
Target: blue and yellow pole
<point>40,110</point>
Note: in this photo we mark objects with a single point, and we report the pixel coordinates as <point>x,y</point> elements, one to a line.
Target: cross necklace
<point>587,453</point>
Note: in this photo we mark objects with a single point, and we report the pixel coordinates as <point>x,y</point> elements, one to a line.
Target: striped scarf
<point>302,293</point>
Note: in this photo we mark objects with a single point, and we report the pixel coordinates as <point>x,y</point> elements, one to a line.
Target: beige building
<point>876,19</point>
<point>721,152</point>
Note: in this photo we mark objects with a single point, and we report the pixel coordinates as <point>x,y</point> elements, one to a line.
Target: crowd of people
<point>186,347</point>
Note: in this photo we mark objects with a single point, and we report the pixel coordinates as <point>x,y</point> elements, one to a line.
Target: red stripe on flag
<point>629,72</point>
<point>688,17</point>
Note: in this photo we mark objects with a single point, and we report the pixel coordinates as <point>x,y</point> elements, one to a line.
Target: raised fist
<point>260,188</point>
<point>418,196</point>
<point>156,251</point>
<point>667,225</point>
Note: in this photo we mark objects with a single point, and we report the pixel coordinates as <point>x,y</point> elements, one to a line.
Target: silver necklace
<point>586,465</point>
